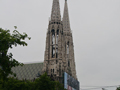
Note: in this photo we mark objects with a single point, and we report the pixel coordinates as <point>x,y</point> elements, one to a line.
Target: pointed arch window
<point>53,43</point>
<point>67,47</point>
<point>56,52</point>
<point>68,63</point>
<point>53,36</point>
<point>53,51</point>
<point>57,36</point>
<point>53,70</point>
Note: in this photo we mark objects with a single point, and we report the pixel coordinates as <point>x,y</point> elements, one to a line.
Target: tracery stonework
<point>59,51</point>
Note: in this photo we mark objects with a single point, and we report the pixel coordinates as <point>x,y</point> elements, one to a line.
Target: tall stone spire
<point>66,22</point>
<point>55,14</point>
<point>71,69</point>
<point>55,45</point>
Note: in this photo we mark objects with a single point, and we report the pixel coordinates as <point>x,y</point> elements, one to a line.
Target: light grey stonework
<point>59,51</point>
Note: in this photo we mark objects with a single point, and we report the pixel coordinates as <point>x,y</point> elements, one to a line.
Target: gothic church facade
<point>59,51</point>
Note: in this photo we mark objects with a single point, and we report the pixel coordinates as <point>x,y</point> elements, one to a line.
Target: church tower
<point>69,47</point>
<point>59,52</point>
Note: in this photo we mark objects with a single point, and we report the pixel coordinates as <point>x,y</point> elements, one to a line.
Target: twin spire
<point>66,22</point>
<point>55,15</point>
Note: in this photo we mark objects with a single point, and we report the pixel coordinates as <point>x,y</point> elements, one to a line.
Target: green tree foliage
<point>41,83</point>
<point>15,84</point>
<point>7,41</point>
<point>45,83</point>
<point>118,88</point>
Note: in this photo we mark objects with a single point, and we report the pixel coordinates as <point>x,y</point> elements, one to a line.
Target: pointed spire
<point>66,22</point>
<point>55,14</point>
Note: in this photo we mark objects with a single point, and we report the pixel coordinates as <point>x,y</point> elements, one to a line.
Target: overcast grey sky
<point>95,26</point>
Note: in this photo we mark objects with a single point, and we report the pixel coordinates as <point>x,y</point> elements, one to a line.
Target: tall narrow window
<point>53,36</point>
<point>56,52</point>
<point>57,36</point>
<point>68,63</point>
<point>68,48</point>
<point>53,51</point>
<point>53,70</point>
<point>53,43</point>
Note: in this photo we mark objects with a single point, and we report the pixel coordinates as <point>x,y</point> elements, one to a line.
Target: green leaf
<point>15,27</point>
<point>7,41</point>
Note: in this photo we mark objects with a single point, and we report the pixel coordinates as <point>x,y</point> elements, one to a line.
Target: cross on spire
<point>55,14</point>
<point>66,22</point>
